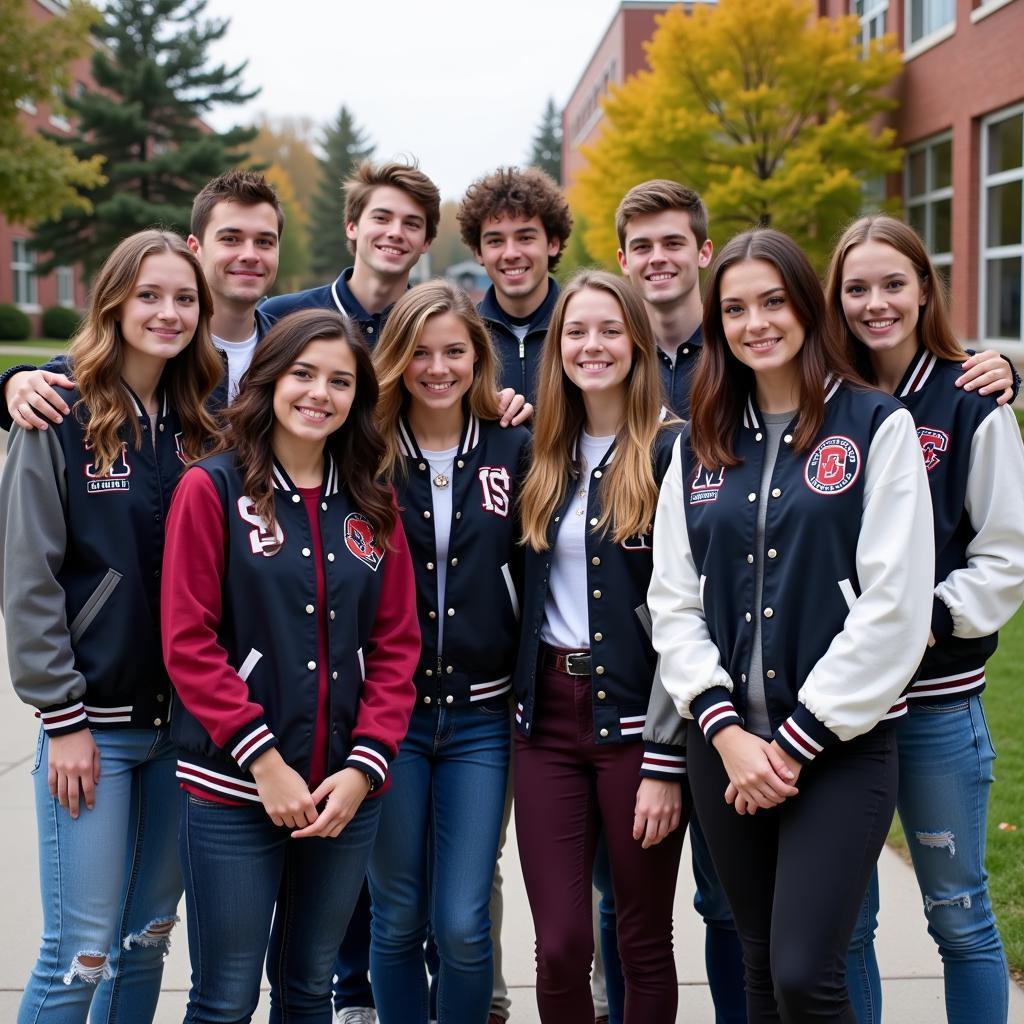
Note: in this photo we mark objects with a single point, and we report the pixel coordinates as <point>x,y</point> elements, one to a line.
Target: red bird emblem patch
<point>361,540</point>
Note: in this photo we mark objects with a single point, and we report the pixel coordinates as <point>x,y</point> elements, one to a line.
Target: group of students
<point>714,583</point>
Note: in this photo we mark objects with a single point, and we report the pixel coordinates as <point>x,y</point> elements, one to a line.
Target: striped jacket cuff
<point>942,619</point>
<point>372,759</point>
<point>61,719</point>
<point>247,744</point>
<point>663,761</point>
<point>803,736</point>
<point>713,710</point>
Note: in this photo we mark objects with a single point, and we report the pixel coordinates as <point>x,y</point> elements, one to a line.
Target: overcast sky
<point>460,84</point>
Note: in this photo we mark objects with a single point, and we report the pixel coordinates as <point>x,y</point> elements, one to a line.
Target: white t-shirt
<point>239,355</point>
<point>566,620</point>
<point>441,465</point>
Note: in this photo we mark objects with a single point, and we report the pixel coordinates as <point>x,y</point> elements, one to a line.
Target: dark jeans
<point>242,872</point>
<point>567,787</point>
<point>352,965</point>
<point>796,875</point>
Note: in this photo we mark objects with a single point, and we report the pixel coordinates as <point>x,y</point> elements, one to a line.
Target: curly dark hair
<point>517,193</point>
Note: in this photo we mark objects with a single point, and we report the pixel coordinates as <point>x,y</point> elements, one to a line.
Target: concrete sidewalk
<point>910,964</point>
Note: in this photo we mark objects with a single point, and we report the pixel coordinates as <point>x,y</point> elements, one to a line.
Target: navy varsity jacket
<point>519,359</point>
<point>975,463</point>
<point>81,556</point>
<point>336,295</point>
<point>483,579</point>
<point>622,657</point>
<point>241,631</point>
<point>677,374</point>
<point>848,563</point>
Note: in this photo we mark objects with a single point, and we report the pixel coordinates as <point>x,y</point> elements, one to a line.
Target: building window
<point>66,287</point>
<point>1002,225</point>
<point>928,194</point>
<point>58,117</point>
<point>925,18</point>
<point>872,20</point>
<point>23,273</point>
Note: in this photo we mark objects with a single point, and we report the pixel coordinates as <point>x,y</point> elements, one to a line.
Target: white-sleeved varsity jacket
<point>847,560</point>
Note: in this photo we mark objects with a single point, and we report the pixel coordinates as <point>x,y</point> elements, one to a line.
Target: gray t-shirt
<point>757,720</point>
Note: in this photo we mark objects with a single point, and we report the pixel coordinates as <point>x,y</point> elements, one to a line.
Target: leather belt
<point>573,663</point>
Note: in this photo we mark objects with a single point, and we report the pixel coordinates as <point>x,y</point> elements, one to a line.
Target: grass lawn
<point>1004,708</point>
<point>7,361</point>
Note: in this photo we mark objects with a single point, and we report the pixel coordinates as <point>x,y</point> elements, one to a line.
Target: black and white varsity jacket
<point>81,560</point>
<point>622,658</point>
<point>975,461</point>
<point>519,359</point>
<point>848,563</point>
<point>483,580</point>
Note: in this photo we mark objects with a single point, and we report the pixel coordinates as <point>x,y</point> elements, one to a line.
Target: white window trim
<point>68,274</point>
<point>985,251</point>
<point>20,267</point>
<point>26,103</point>
<point>925,44</point>
<point>873,8</point>
<point>930,195</point>
<point>989,7</point>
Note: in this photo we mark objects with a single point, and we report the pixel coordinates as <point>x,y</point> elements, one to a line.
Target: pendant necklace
<point>440,480</point>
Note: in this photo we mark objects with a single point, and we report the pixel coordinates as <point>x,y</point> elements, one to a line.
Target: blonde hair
<point>96,356</point>
<point>398,342</point>
<point>628,490</point>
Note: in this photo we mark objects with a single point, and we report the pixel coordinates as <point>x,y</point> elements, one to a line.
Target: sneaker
<point>356,1015</point>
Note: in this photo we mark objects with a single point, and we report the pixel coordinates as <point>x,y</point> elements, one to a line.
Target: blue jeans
<point>110,885</point>
<point>945,763</point>
<point>242,872</point>
<point>433,864</point>
<point>352,966</point>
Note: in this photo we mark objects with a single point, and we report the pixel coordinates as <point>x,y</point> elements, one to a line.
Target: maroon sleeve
<point>191,608</point>
<point>391,657</point>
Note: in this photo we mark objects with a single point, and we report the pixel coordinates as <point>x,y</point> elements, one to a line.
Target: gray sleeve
<point>33,541</point>
<point>664,728</point>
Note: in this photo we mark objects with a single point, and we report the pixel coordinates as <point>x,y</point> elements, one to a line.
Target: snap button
<point>160,428</point>
<point>599,637</point>
<point>751,496</point>
<point>750,559</point>
<point>460,463</point>
<point>311,665</point>
<point>455,561</point>
<point>332,615</point>
<point>334,675</point>
<point>743,677</point>
<point>768,613</point>
<point>330,556</point>
<point>595,560</point>
<point>305,552</point>
<point>788,438</point>
<point>430,565</point>
<point>593,522</point>
<point>450,669</point>
<point>423,465</point>
<point>747,616</point>
<point>310,609</point>
<point>597,595</point>
<point>758,436</point>
<point>770,673</point>
<point>296,499</point>
<point>599,670</point>
<point>686,351</point>
<point>776,492</point>
<point>597,473</point>
<point>601,695</point>
<point>432,615</point>
<point>160,698</point>
<point>772,553</point>
<point>369,330</point>
<point>558,519</point>
<point>430,672</point>
<point>451,612</point>
<point>449,699</point>
<point>604,732</point>
<point>323,506</point>
<point>426,700</point>
<point>458,515</point>
<point>158,721</point>
<point>426,513</point>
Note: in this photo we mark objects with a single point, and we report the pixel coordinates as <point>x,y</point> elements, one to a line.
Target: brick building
<point>960,118</point>
<point>19,284</point>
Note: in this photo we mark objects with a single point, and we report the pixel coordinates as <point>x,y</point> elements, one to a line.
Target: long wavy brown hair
<point>96,356</point>
<point>628,490</point>
<point>397,344</point>
<point>356,445</point>
<point>934,327</point>
<point>722,383</point>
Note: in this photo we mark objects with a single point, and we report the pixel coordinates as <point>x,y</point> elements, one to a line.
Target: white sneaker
<point>356,1015</point>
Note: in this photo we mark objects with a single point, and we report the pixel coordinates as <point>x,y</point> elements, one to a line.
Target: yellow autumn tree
<point>765,109</point>
<point>294,259</point>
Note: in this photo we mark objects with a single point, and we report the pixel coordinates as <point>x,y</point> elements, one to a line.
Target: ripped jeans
<point>945,759</point>
<point>110,883</point>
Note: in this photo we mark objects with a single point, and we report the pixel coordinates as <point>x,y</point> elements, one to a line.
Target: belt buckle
<point>578,663</point>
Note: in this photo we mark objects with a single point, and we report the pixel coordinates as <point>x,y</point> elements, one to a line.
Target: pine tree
<point>345,146</point>
<point>156,86</point>
<point>547,143</point>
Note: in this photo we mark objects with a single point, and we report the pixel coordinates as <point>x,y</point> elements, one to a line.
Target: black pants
<point>796,875</point>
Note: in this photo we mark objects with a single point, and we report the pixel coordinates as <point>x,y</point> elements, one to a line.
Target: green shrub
<point>60,322</point>
<point>14,325</point>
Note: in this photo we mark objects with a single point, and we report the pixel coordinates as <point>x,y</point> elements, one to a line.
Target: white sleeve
<point>690,662</point>
<point>869,663</point>
<point>984,595</point>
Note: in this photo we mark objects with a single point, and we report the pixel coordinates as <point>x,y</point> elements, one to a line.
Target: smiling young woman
<point>82,505</point>
<point>789,601</point>
<point>290,636</point>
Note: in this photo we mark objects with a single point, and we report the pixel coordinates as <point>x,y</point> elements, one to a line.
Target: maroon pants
<point>567,788</point>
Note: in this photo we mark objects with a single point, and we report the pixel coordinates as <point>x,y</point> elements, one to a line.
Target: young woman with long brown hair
<point>789,600</point>
<point>290,635</point>
<point>457,473</point>
<point>889,303</point>
<point>586,664</point>
<point>82,506</point>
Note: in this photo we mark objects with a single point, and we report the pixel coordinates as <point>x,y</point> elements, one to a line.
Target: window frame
<point>24,282</point>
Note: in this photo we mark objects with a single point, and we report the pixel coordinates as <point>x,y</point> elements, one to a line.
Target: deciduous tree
<point>765,109</point>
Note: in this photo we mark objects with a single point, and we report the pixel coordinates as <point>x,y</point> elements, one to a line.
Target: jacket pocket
<point>511,587</point>
<point>849,594</point>
<point>251,660</point>
<point>97,599</point>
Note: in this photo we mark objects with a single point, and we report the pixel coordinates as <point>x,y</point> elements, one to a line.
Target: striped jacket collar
<point>574,455</point>
<point>918,373</point>
<point>409,447</point>
<point>752,414</point>
<point>282,482</point>
<point>140,409</point>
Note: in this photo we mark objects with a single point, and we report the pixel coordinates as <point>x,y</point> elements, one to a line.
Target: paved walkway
<point>910,965</point>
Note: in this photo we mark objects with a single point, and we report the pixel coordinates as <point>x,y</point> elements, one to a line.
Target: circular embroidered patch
<point>833,466</point>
